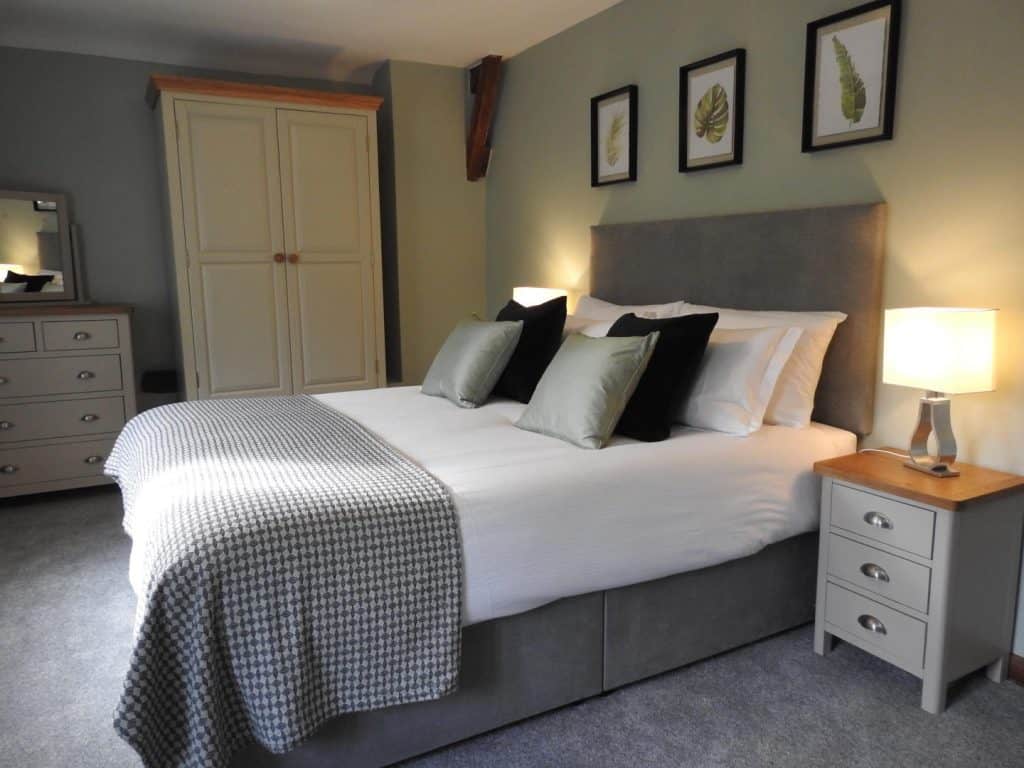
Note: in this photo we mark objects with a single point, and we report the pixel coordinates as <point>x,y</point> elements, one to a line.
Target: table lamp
<point>944,351</point>
<point>530,296</point>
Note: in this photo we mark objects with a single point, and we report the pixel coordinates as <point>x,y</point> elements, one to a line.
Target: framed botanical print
<point>613,137</point>
<point>850,76</point>
<point>711,111</point>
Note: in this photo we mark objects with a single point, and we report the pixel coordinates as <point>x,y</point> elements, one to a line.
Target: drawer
<point>59,335</point>
<point>59,375</point>
<point>65,461</point>
<point>897,634</point>
<point>879,572</point>
<point>899,525</point>
<point>66,418</point>
<point>17,337</point>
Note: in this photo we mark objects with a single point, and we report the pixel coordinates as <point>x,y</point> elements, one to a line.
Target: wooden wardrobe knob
<point>293,258</point>
<point>279,258</point>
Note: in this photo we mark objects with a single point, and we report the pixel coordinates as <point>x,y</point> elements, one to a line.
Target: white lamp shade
<point>529,296</point>
<point>940,349</point>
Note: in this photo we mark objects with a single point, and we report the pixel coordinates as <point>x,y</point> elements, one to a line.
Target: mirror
<point>36,262</point>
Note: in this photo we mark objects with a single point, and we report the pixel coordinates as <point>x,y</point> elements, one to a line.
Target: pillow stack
<point>637,370</point>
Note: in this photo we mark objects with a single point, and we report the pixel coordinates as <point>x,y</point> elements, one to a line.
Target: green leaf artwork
<point>613,141</point>
<point>854,97</point>
<point>712,115</point>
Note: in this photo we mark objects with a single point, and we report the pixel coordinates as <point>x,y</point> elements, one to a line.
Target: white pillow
<point>587,326</point>
<point>598,309</point>
<point>737,377</point>
<point>793,400</point>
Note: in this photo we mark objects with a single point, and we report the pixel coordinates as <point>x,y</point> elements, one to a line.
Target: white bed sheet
<point>542,519</point>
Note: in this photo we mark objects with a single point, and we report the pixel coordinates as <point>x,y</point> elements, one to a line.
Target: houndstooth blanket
<point>291,566</point>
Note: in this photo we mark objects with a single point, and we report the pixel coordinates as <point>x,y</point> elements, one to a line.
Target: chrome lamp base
<point>933,416</point>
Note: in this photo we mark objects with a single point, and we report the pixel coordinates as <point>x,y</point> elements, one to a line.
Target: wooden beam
<point>158,83</point>
<point>484,81</point>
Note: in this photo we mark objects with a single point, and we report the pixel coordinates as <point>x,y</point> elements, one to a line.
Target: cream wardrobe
<point>275,229</point>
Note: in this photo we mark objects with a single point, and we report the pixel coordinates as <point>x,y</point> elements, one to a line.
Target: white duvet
<point>542,519</point>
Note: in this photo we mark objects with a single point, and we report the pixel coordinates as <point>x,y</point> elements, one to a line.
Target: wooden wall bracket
<point>484,80</point>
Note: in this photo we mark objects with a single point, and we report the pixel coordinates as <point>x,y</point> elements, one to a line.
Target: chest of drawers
<point>919,571</point>
<point>67,386</point>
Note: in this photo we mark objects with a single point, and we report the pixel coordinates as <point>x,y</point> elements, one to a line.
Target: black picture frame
<point>737,109</point>
<point>811,143</point>
<point>632,93</point>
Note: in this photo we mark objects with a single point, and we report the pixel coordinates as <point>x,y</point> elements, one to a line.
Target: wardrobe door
<point>325,171</point>
<point>231,202</point>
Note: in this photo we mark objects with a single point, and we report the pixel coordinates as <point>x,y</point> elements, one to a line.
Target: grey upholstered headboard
<point>818,258</point>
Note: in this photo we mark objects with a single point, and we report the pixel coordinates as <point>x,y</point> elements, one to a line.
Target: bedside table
<point>919,571</point>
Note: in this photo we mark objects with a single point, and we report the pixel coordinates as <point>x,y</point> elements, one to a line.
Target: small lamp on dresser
<point>944,351</point>
<point>530,296</point>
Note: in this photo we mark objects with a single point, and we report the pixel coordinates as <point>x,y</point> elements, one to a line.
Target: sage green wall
<point>434,243</point>
<point>952,176</point>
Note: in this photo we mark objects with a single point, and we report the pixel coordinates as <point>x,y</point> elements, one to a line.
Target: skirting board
<point>1017,668</point>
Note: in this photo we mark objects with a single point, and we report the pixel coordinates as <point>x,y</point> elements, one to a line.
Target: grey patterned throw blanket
<point>290,566</point>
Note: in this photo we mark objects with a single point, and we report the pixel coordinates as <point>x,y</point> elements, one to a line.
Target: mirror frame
<point>70,292</point>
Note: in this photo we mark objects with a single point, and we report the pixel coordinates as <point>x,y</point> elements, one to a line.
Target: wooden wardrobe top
<point>158,83</point>
<point>887,473</point>
<point>42,308</point>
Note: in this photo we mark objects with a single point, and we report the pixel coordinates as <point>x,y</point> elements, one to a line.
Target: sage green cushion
<point>470,361</point>
<point>585,388</point>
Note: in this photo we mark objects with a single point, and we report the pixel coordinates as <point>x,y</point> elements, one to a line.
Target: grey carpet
<point>65,627</point>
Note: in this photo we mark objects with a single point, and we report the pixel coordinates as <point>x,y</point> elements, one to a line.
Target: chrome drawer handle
<point>871,624</point>
<point>878,521</point>
<point>875,572</point>
<point>83,375</point>
<point>8,469</point>
<point>6,424</point>
<point>89,417</point>
<point>3,379</point>
<point>93,459</point>
<point>80,336</point>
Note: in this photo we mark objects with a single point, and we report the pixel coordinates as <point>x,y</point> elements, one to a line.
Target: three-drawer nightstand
<point>919,571</point>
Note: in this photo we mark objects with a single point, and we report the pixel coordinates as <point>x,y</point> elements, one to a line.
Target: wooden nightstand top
<point>887,473</point>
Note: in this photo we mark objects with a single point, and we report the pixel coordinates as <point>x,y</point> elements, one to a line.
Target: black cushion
<point>35,282</point>
<point>669,375</point>
<point>538,343</point>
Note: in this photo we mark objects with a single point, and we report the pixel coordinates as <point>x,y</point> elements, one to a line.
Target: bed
<point>587,570</point>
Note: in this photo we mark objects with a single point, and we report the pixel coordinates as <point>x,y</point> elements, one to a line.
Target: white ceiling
<point>334,39</point>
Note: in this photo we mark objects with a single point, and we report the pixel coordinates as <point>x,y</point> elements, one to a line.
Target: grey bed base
<point>575,648</point>
<point>516,667</point>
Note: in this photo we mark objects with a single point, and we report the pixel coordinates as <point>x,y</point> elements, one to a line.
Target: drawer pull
<point>878,521</point>
<point>89,417</point>
<point>875,572</point>
<point>8,469</point>
<point>6,424</point>
<point>83,375</point>
<point>81,336</point>
<point>93,459</point>
<point>871,624</point>
<point>3,379</point>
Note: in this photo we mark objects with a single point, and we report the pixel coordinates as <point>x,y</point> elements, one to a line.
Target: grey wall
<point>433,218</point>
<point>80,125</point>
<point>952,176</point>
